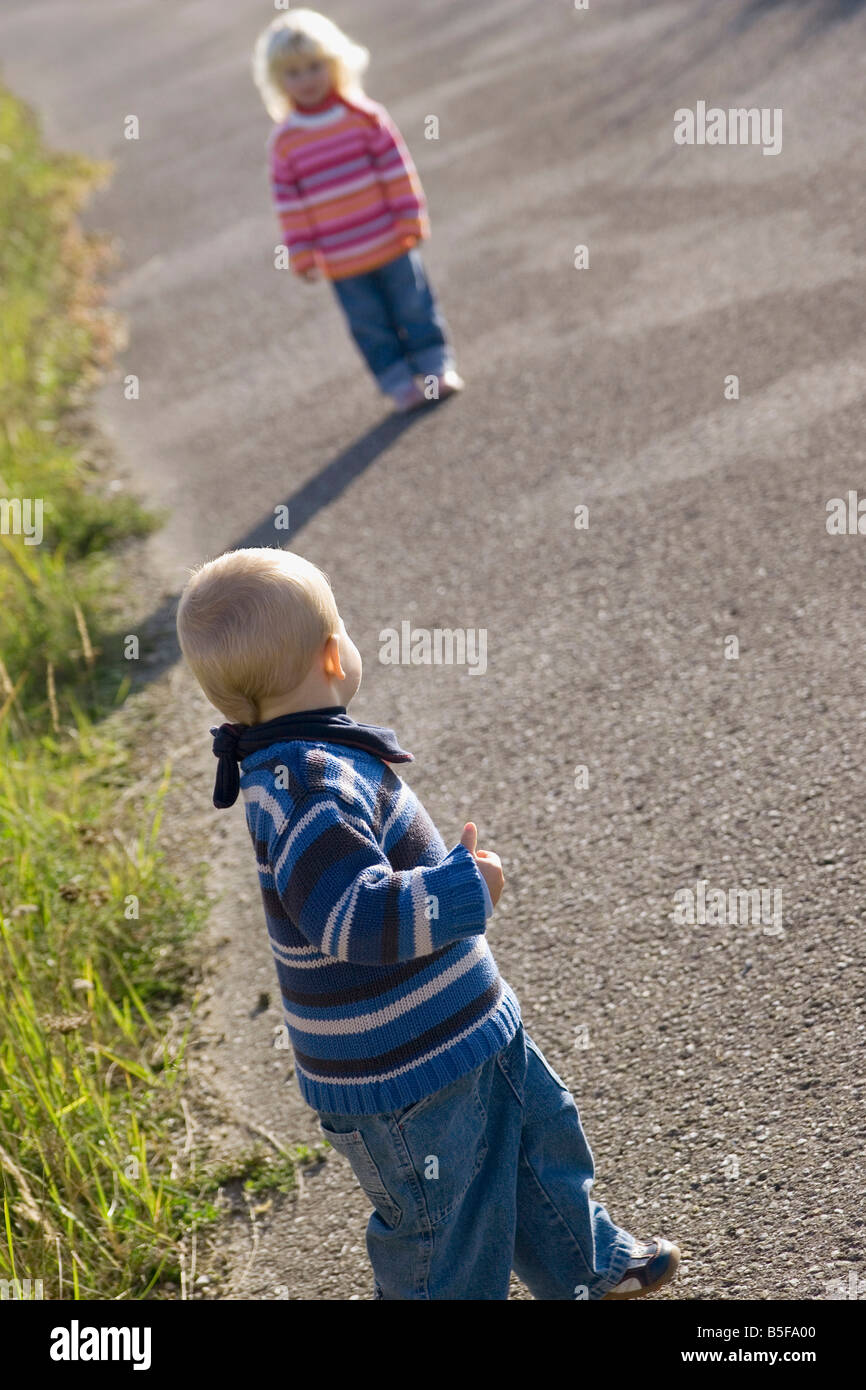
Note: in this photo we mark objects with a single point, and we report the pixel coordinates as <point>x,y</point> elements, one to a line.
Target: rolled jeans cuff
<point>620,1257</point>
<point>395,378</point>
<point>433,361</point>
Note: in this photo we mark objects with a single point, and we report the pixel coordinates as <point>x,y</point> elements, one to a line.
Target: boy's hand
<point>489,865</point>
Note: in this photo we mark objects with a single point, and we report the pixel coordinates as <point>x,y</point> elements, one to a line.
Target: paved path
<point>712,1049</point>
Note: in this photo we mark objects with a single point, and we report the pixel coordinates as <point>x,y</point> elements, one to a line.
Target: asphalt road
<point>718,1065</point>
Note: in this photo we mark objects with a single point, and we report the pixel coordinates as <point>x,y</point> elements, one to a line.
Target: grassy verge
<point>101,1194</point>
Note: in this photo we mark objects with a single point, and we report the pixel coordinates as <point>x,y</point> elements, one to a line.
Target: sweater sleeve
<point>398,177</point>
<point>298,231</point>
<point>339,889</point>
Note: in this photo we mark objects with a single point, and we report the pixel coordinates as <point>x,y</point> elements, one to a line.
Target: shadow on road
<point>157,632</point>
<point>819,12</point>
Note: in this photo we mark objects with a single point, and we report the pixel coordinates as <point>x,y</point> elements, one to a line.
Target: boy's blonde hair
<point>309,33</point>
<point>249,624</point>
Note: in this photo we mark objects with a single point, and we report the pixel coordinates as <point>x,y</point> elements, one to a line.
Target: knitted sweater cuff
<point>417,227</point>
<point>461,900</point>
<point>301,261</point>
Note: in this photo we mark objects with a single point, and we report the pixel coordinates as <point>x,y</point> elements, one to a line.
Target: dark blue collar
<point>234,742</point>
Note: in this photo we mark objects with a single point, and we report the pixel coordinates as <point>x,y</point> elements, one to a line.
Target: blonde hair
<point>305,32</point>
<point>249,624</point>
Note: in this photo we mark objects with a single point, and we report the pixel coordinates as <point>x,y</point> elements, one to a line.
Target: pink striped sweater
<point>345,188</point>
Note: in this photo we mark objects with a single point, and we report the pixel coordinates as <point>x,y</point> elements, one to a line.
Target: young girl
<point>350,203</point>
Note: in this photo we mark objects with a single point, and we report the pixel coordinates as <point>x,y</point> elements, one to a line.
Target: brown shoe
<point>408,398</point>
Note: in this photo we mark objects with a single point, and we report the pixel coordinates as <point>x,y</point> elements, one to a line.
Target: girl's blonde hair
<point>309,33</point>
<point>250,623</point>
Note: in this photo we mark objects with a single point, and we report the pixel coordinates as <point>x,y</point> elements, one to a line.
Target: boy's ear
<point>332,665</point>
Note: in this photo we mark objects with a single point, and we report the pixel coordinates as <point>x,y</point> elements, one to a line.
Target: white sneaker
<point>449,383</point>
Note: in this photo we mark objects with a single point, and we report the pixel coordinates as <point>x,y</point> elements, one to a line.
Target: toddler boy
<point>407,1042</point>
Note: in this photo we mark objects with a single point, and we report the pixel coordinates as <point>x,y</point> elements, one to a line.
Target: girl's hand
<point>310,274</point>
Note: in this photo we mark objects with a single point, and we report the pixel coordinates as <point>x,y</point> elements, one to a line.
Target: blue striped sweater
<point>389,987</point>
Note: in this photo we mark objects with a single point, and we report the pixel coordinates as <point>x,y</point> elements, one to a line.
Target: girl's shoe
<point>407,398</point>
<point>652,1265</point>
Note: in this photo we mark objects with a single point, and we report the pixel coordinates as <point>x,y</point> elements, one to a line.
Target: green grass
<point>92,936</point>
<point>54,339</point>
<point>103,1187</point>
<point>259,1170</point>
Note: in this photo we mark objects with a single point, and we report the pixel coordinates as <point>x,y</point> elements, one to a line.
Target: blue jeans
<point>395,320</point>
<point>489,1174</point>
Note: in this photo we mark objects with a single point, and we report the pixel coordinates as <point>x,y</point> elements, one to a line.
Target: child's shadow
<point>157,633</point>
<point>819,12</point>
